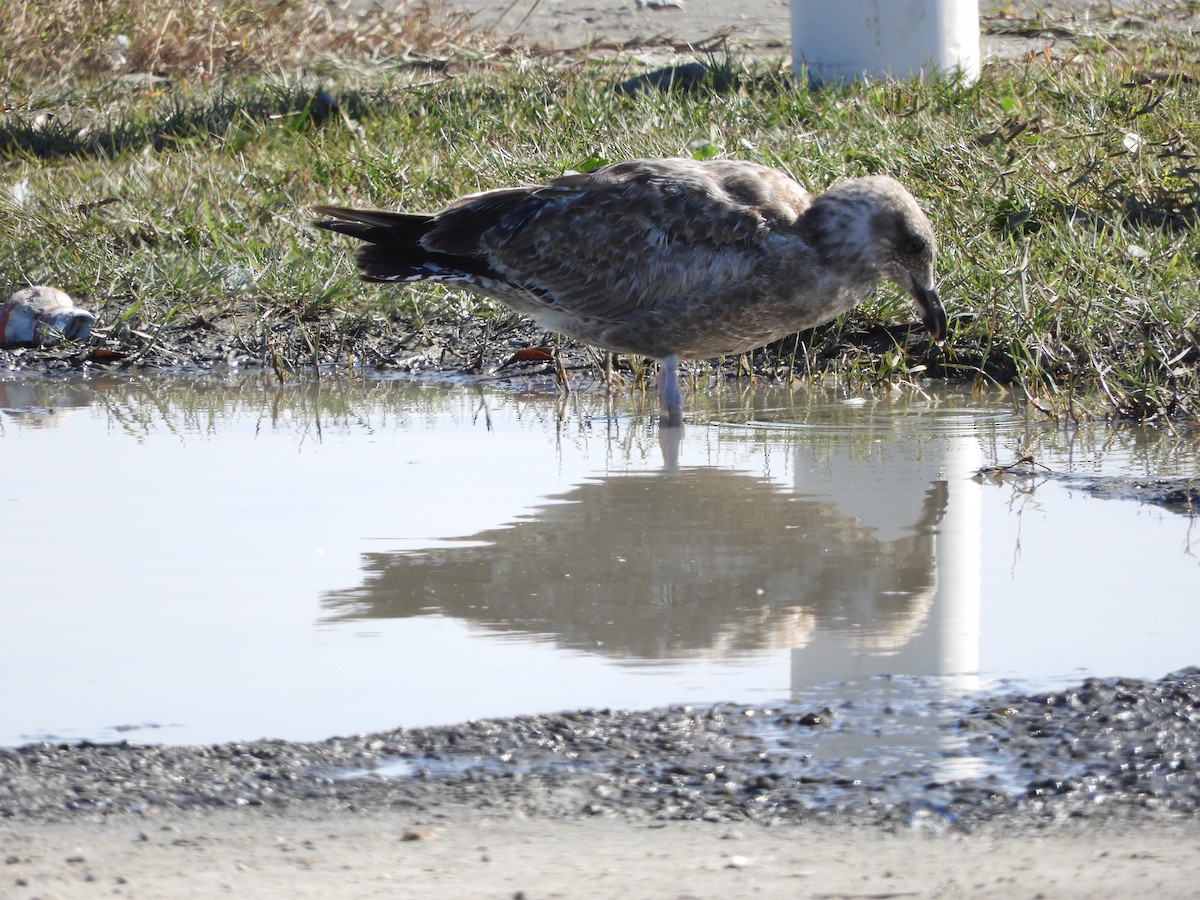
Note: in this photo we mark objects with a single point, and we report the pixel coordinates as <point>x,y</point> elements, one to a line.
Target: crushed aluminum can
<point>41,316</point>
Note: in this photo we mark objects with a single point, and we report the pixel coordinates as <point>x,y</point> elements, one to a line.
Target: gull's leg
<point>670,401</point>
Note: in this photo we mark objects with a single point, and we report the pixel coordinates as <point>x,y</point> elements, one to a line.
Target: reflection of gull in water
<point>698,562</point>
<point>668,258</point>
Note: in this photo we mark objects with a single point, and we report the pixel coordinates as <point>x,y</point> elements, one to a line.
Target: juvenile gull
<point>668,258</point>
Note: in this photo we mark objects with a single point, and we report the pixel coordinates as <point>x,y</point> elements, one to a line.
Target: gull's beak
<point>929,305</point>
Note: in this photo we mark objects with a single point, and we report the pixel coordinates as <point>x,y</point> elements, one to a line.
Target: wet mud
<point>1106,750</point>
<point>1177,495</point>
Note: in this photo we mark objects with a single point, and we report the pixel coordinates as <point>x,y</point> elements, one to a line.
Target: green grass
<point>1065,194</point>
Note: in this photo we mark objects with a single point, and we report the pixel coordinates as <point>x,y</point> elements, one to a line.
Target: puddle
<point>196,561</point>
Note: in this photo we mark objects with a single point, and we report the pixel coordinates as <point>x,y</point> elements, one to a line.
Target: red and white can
<point>41,316</point>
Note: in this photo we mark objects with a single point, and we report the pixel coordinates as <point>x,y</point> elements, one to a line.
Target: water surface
<point>192,561</point>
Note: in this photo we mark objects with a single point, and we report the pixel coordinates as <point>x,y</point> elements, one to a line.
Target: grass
<point>211,39</point>
<point>1065,190</point>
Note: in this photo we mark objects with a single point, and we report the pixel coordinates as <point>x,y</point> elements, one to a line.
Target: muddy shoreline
<point>1084,791</point>
<point>1106,750</point>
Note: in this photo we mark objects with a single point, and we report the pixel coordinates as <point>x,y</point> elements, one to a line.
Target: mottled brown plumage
<point>667,258</point>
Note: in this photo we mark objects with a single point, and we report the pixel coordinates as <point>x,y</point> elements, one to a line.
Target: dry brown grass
<point>55,39</point>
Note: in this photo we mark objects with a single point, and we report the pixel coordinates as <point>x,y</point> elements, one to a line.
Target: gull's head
<point>891,238</point>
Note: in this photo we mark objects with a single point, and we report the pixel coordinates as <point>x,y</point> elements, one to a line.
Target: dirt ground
<point>253,854</point>
<point>1009,28</point>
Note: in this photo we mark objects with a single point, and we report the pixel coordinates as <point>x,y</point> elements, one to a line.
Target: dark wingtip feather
<point>393,249</point>
<point>381,218</point>
<point>376,226</point>
<point>320,210</point>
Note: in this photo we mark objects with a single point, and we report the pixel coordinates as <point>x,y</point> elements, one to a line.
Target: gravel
<point>1103,751</point>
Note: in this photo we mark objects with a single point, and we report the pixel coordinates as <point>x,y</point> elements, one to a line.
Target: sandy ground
<point>763,27</point>
<point>568,24</point>
<point>254,854</point>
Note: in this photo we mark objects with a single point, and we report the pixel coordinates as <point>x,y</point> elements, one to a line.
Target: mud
<point>1103,751</point>
<point>1177,495</point>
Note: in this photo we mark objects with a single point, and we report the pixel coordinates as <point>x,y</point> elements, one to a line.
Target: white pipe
<point>849,39</point>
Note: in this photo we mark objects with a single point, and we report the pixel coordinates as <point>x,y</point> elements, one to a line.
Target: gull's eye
<point>913,245</point>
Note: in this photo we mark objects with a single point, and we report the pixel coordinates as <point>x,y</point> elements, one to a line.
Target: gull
<point>666,258</point>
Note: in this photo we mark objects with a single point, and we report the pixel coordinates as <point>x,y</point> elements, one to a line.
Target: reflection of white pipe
<point>956,620</point>
<point>851,39</point>
<point>885,488</point>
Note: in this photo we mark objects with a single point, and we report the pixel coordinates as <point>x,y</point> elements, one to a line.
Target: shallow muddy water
<point>192,561</point>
